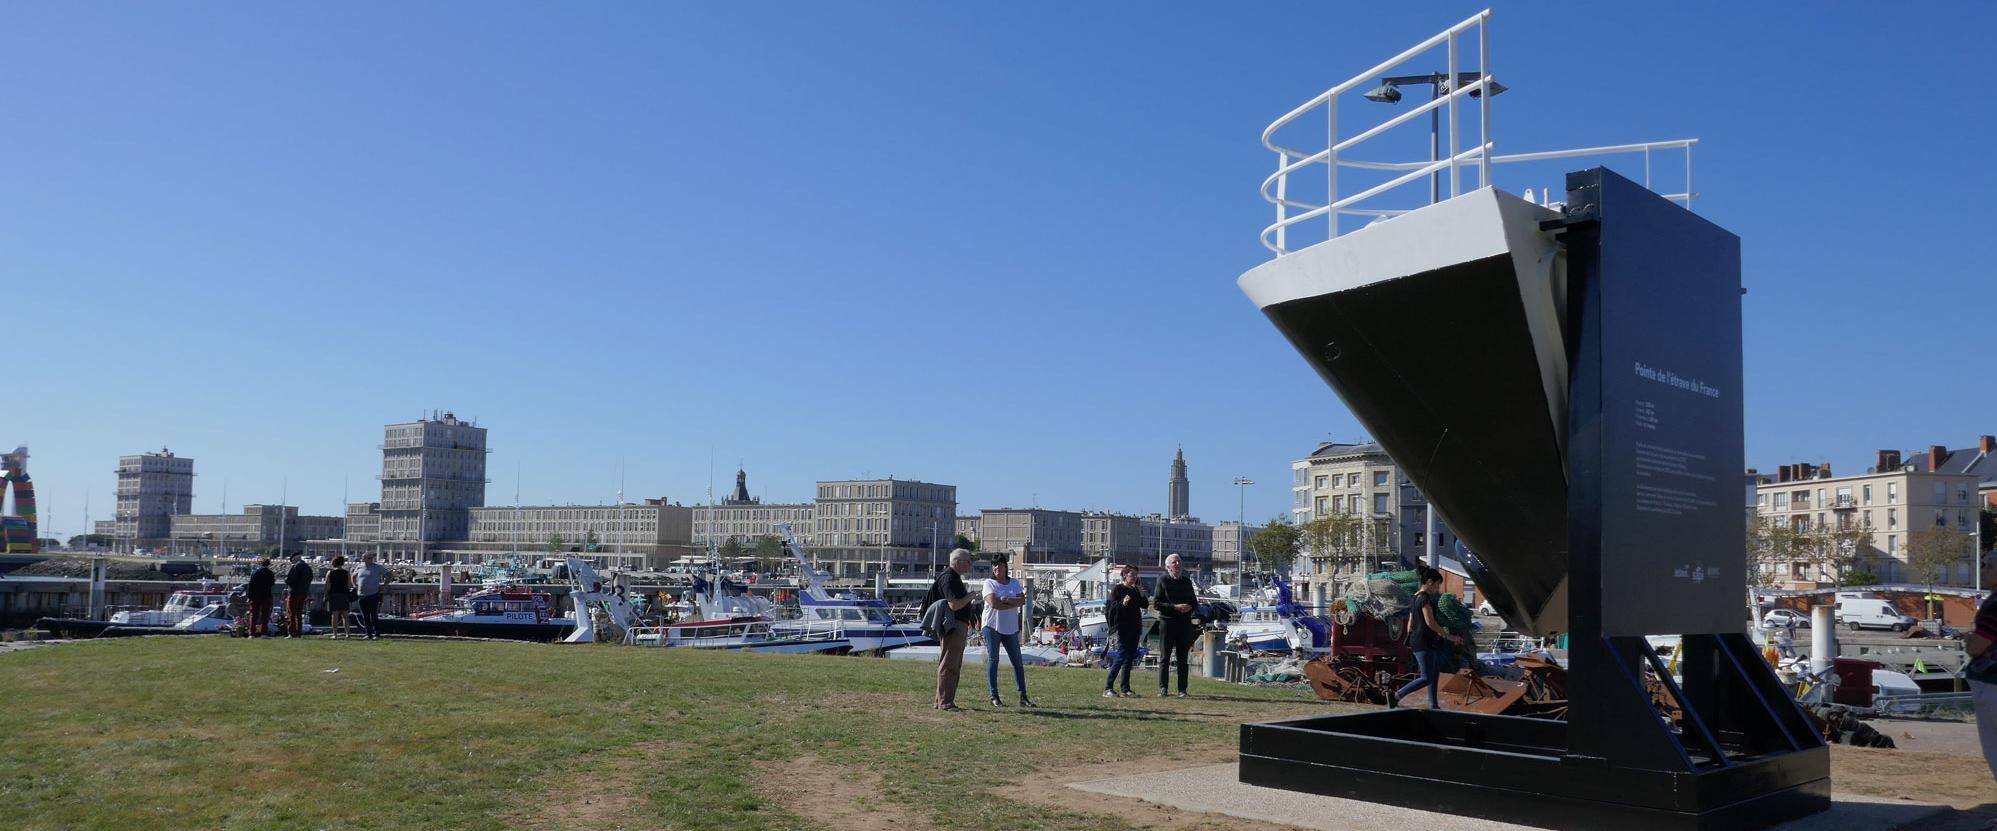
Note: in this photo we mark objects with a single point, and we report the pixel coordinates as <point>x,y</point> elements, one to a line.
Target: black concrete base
<point>1516,770</point>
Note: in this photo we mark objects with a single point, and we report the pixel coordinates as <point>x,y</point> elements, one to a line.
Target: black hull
<point>69,627</point>
<point>536,632</point>
<point>1440,367</point>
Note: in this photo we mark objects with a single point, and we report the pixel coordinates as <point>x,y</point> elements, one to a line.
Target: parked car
<point>1863,613</point>
<point>1485,608</point>
<point>1784,618</point>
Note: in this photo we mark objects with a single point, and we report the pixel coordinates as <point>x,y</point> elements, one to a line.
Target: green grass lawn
<point>174,733</point>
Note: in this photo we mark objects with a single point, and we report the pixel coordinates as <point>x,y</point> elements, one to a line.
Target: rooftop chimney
<point>1936,453</point>
<point>1782,473</point>
<point>1824,471</point>
<point>1888,460</point>
<point>1987,444</point>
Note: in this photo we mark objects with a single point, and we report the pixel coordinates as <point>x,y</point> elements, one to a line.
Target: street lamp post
<point>887,522</point>
<point>1241,531</point>
<point>1389,92</point>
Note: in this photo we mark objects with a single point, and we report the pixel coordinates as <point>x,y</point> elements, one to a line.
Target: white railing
<point>1451,156</point>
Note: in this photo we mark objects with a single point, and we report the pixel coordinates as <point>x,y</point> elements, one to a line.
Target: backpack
<point>935,592</point>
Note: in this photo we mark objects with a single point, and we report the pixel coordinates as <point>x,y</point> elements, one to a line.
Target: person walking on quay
<point>1125,611</point>
<point>339,596</point>
<point>949,590</point>
<point>1003,597</point>
<point>1982,674</point>
<point>258,593</point>
<point>1176,599</point>
<point>1429,640</point>
<point>297,590</point>
<point>370,583</point>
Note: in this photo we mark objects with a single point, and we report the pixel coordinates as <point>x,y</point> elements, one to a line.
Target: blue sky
<point>989,246</point>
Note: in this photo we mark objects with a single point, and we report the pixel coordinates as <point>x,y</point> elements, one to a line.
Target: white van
<point>1860,613</point>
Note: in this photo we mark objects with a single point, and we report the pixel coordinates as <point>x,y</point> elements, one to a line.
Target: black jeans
<point>371,615</point>
<point>1126,657</point>
<point>1175,640</point>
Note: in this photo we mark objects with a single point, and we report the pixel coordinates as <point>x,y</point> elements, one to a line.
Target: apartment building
<point>1359,478</point>
<point>152,487</point>
<point>1892,499</point>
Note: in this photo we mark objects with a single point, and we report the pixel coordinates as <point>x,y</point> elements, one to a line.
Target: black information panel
<point>1672,527</point>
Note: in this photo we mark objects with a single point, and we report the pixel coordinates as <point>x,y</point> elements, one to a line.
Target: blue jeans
<point>1126,657</point>
<point>994,640</point>
<point>1430,663</point>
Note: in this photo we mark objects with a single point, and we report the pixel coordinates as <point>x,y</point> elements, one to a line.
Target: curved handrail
<point>1290,160</point>
<point>1438,39</point>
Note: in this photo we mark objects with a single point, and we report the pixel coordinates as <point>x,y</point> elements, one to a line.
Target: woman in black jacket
<point>1125,613</point>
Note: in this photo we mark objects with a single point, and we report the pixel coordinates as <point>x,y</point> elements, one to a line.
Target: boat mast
<point>618,528</point>
<point>283,499</point>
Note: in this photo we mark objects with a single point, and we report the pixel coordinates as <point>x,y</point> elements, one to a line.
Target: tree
<point>1771,549</point>
<point>732,549</point>
<point>84,540</point>
<point>768,552</point>
<point>1337,538</point>
<point>1931,552</point>
<point>556,544</point>
<point>1840,550</point>
<point>966,543</point>
<point>1276,545</point>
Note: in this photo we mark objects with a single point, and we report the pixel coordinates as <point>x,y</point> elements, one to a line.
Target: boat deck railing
<point>727,631</point>
<point>1454,93</point>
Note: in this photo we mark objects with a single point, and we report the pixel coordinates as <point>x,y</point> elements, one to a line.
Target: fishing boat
<point>179,606</point>
<point>974,654</point>
<point>866,623</point>
<point>507,612</point>
<point>717,615</point>
<point>1278,624</point>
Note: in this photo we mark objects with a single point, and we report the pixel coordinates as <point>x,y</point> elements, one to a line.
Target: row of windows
<point>1341,480</point>
<point>1799,500</point>
<point>1327,505</point>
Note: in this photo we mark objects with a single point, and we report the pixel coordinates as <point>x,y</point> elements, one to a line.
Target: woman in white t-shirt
<point>1003,597</point>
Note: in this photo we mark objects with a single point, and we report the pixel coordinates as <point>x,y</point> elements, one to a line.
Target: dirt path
<point>1049,789</point>
<point>608,799</point>
<point>834,797</point>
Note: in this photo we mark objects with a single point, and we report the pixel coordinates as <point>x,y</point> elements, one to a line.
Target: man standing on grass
<point>1176,599</point>
<point>949,589</point>
<point>258,593</point>
<point>297,587</point>
<point>369,583</point>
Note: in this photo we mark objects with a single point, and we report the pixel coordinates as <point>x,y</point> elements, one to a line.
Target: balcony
<point>1843,503</point>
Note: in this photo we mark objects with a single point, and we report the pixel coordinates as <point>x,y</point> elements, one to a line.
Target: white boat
<point>718,617</point>
<point>974,655</point>
<point>753,634</point>
<point>1278,624</point>
<point>864,622</point>
<point>180,606</point>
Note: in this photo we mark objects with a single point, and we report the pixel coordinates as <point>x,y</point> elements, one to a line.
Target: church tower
<point>1180,494</point>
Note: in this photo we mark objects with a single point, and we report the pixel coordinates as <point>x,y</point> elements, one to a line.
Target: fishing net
<point>1388,595</point>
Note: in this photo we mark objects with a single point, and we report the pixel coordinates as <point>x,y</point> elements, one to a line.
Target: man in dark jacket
<point>298,587</point>
<point>949,589</point>
<point>258,593</point>
<point>1175,603</point>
